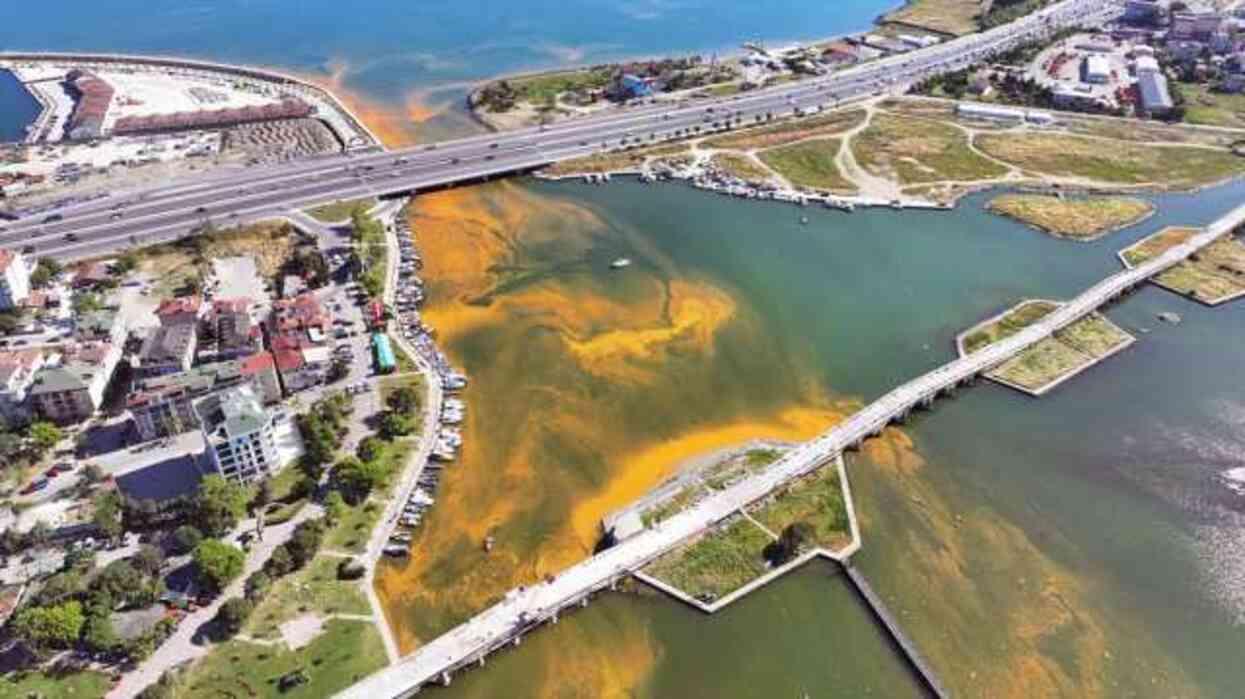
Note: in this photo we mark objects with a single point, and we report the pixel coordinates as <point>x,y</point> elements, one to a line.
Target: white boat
<point>621,263</point>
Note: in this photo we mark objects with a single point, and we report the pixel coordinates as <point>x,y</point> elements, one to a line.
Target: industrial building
<point>1156,100</point>
<point>92,98</point>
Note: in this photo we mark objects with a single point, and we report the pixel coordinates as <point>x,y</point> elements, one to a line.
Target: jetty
<point>525,608</point>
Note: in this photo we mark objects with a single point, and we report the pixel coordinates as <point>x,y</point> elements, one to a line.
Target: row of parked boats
<point>410,295</point>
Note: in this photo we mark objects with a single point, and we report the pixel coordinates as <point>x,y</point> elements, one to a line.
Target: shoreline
<point>1114,228</point>
<point>10,60</point>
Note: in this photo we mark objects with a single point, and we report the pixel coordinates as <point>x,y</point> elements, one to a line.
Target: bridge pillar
<point>480,661</point>
<point>517,641</point>
<point>553,619</point>
<point>583,603</point>
<point>445,679</point>
<point>613,584</point>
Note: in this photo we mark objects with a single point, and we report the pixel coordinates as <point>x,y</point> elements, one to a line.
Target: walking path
<point>181,646</point>
<point>415,463</point>
<point>526,607</point>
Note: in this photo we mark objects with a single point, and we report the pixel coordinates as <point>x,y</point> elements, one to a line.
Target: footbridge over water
<point>525,608</point>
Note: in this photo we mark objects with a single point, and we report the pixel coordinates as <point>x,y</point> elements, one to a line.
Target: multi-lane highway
<point>133,218</point>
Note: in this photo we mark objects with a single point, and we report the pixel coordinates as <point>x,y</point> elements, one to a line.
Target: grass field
<point>783,133</point>
<point>1079,218</point>
<point>1066,352</point>
<point>1116,162</point>
<point>343,654</point>
<point>816,500</point>
<point>314,589</point>
<point>717,563</point>
<point>1151,246</point>
<point>1015,320</point>
<point>82,684</point>
<point>1202,106</point>
<point>914,150</point>
<point>340,210</point>
<point>809,164</point>
<point>545,88</point>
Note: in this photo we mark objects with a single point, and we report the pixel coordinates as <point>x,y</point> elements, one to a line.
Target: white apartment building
<point>14,279</point>
<point>240,434</point>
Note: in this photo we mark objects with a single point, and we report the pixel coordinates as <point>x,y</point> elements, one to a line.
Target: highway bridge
<point>528,607</point>
<point>142,217</point>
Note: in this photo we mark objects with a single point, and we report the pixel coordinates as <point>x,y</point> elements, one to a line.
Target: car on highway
<point>53,218</point>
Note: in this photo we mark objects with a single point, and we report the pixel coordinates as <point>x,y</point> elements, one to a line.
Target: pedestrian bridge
<point>527,607</point>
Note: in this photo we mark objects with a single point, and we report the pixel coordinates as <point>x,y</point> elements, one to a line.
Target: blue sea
<point>387,48</point>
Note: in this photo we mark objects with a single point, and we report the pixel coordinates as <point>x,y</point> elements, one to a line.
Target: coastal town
<point>219,431</point>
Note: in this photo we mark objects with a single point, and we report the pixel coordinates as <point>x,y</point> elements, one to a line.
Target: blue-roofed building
<point>386,362</point>
<point>1156,100</point>
<point>629,86</point>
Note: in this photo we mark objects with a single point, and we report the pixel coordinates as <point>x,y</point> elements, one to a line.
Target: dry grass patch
<point>1154,245</point>
<point>1111,162</point>
<point>771,136</point>
<point>741,166</point>
<point>615,161</point>
<point>957,17</point>
<point>809,164</point>
<point>1064,354</point>
<point>1213,275</point>
<point>1080,218</point>
<point>914,150</point>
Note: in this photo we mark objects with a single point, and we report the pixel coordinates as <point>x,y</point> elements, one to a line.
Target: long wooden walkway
<point>527,607</point>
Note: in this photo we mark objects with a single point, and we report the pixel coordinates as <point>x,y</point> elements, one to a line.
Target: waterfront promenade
<point>526,607</point>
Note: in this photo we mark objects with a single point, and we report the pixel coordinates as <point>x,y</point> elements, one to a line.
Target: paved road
<point>106,225</point>
<point>524,607</point>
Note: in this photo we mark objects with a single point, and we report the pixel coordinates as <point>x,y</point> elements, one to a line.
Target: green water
<point>1083,544</point>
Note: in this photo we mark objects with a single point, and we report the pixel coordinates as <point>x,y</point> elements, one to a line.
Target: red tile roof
<point>256,363</point>
<point>288,360</point>
<point>185,304</point>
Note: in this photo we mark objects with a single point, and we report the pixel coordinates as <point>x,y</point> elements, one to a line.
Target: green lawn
<point>314,589</point>
<point>545,88</point>
<point>716,564</point>
<point>340,210</point>
<point>914,150</point>
<point>346,652</point>
<point>1202,106</point>
<point>83,684</point>
<point>809,164</point>
<point>406,365</point>
<point>817,501</point>
<point>351,534</point>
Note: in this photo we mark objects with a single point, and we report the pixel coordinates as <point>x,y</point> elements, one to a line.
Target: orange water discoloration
<point>989,599</point>
<point>392,125</point>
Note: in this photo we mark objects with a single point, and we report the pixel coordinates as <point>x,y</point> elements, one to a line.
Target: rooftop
<point>231,413</point>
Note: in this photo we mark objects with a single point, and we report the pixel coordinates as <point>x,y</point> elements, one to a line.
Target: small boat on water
<point>621,263</point>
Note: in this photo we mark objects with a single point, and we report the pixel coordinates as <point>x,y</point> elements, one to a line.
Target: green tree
<point>107,514</point>
<point>46,269</point>
<point>395,425</point>
<point>369,448</point>
<point>356,479</point>
<point>233,614</point>
<point>43,436</point>
<point>305,542</point>
<point>87,302</point>
<point>148,560</point>
<point>185,538</point>
<point>219,504</point>
<point>404,401</point>
<point>218,563</point>
<point>279,563</point>
<point>50,627</point>
<point>126,262</point>
<point>98,632</point>
<point>257,585</point>
<point>790,541</point>
<point>334,507</point>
